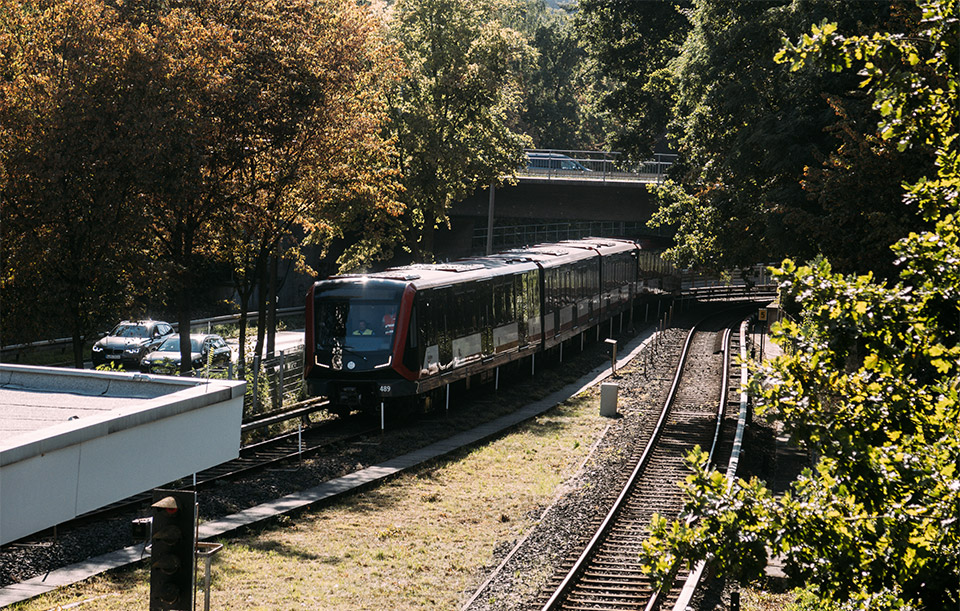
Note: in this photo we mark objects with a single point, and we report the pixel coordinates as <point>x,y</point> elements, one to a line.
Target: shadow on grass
<point>282,549</point>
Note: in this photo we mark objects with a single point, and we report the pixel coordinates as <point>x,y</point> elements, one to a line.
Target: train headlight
<point>351,364</point>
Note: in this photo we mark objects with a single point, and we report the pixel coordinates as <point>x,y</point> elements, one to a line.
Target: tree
<point>199,152</point>
<point>557,109</point>
<point>632,44</point>
<point>313,161</point>
<point>454,108</point>
<point>752,134</point>
<point>75,151</point>
<point>871,382</point>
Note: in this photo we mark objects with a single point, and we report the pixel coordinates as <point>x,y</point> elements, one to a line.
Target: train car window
<point>331,323</point>
<point>445,320</point>
<point>532,280</point>
<point>503,302</point>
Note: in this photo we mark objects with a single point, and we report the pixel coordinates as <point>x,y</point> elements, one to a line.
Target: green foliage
<point>558,82</point>
<point>872,384</point>
<point>696,225</point>
<point>786,160</point>
<point>632,43</point>
<point>75,239</point>
<point>454,110</point>
<point>140,142</point>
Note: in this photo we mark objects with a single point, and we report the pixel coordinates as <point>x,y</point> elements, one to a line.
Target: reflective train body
<point>409,330</point>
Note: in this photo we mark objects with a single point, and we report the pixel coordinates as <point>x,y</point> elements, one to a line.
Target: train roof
<point>426,275</point>
<point>517,260</point>
<point>605,246</point>
<point>567,251</point>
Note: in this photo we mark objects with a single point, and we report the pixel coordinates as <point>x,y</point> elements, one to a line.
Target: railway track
<point>607,573</point>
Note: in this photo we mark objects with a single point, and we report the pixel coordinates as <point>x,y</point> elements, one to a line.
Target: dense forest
<point>148,147</point>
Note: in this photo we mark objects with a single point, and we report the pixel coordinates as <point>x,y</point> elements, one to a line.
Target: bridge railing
<point>594,165</point>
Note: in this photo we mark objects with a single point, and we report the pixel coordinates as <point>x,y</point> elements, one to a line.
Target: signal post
<point>172,555</point>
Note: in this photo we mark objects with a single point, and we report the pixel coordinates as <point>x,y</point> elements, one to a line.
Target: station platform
<point>72,441</point>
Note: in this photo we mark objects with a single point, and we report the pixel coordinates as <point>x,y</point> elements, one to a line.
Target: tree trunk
<point>425,253</point>
<point>271,304</point>
<point>261,308</point>
<point>242,348</point>
<point>77,348</point>
<point>183,321</point>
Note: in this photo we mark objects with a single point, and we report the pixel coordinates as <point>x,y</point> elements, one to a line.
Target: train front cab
<point>356,326</point>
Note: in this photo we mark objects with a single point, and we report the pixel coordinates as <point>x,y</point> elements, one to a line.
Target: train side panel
<point>410,330</point>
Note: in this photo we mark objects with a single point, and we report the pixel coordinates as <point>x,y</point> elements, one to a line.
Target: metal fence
<point>274,381</point>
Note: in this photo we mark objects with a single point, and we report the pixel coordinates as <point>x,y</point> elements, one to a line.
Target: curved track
<point>607,574</point>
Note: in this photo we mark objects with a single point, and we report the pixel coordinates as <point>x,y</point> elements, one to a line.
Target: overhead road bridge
<point>599,197</point>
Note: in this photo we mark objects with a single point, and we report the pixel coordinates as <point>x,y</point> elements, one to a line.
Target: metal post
<point>448,397</point>
<point>646,313</point>
<point>300,440</point>
<point>533,364</point>
<point>382,417</point>
<point>279,399</point>
<point>496,381</point>
<point>763,335</point>
<point>613,355</point>
<point>256,383</point>
<point>206,551</point>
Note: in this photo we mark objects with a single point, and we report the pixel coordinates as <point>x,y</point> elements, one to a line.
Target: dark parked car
<point>129,341</point>
<point>166,358</point>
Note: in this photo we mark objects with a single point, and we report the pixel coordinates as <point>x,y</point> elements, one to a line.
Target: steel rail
<point>693,579</point>
<point>578,567</point>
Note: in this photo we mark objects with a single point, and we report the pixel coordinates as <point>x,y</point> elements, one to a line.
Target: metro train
<point>407,331</point>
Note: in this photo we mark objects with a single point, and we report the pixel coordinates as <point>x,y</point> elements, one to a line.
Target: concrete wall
<point>67,469</point>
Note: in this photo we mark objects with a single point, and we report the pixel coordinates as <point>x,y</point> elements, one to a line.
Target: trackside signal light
<point>172,553</point>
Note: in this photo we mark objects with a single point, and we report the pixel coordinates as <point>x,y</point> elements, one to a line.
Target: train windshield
<point>355,325</point>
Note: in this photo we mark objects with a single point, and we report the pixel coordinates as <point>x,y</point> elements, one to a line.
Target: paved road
<point>286,340</point>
